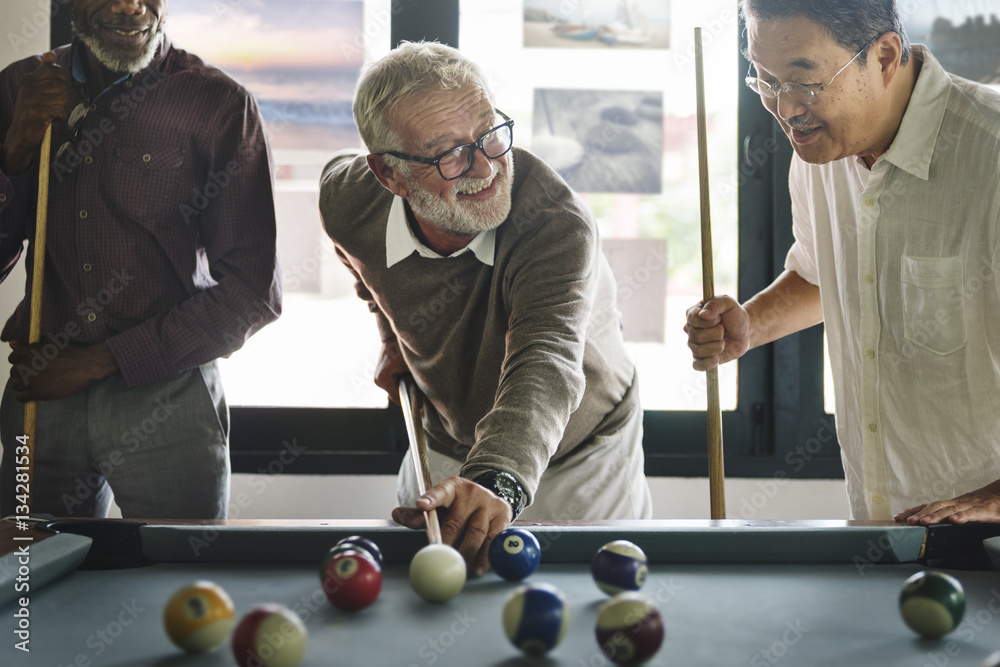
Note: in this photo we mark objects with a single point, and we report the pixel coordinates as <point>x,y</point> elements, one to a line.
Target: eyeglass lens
<point>76,116</point>
<point>494,143</point>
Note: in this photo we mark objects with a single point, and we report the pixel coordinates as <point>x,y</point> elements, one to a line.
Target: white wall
<point>25,32</point>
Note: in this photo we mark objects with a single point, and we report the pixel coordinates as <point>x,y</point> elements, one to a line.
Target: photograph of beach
<point>305,94</point>
<point>597,24</point>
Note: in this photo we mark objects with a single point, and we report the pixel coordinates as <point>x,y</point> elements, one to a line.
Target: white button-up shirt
<point>907,259</point>
<point>401,242</point>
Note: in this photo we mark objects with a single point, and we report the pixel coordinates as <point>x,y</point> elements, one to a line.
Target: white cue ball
<point>437,573</point>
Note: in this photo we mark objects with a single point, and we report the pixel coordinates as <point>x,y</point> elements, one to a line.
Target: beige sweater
<point>523,361</point>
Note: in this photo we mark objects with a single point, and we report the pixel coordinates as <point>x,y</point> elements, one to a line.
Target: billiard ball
<point>514,554</point>
<point>629,628</point>
<point>361,544</point>
<point>932,603</point>
<point>535,618</point>
<point>619,566</point>
<point>270,635</point>
<point>199,617</point>
<point>351,580</point>
<point>437,573</point>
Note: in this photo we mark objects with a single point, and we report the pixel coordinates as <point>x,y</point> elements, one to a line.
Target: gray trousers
<point>160,450</point>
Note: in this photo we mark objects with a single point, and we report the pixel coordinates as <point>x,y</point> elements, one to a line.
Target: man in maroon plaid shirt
<point>160,258</point>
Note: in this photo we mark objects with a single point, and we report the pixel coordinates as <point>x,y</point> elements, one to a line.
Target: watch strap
<point>506,487</point>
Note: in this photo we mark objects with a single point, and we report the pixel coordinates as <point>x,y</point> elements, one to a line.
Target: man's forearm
<point>787,305</point>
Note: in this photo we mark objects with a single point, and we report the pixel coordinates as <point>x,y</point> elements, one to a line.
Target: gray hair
<point>851,23</point>
<point>409,69</point>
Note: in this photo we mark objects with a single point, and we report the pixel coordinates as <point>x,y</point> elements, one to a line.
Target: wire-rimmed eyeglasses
<point>801,93</point>
<point>454,163</point>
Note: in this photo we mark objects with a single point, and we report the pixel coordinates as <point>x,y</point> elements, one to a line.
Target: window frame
<point>779,428</point>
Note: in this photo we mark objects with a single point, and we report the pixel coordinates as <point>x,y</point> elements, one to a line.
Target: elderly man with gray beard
<point>488,284</point>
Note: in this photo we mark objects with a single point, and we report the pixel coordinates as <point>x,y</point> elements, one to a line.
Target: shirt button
<point>870,354</point>
<point>869,202</point>
<point>93,107</point>
<point>87,267</point>
<point>83,215</point>
<point>873,427</point>
<point>147,157</point>
<point>3,197</point>
<point>88,160</point>
<point>869,278</point>
<point>91,317</point>
<point>877,499</point>
<point>128,84</point>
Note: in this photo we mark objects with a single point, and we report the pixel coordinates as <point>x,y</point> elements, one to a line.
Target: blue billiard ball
<point>515,554</point>
<point>362,544</point>
<point>619,566</point>
<point>535,618</point>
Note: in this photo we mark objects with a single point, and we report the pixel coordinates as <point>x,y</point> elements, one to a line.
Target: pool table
<point>731,593</point>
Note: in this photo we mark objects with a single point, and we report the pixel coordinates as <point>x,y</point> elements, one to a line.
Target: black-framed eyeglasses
<point>74,123</point>
<point>801,93</point>
<point>454,163</point>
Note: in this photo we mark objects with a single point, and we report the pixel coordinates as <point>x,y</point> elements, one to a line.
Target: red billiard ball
<point>270,635</point>
<point>352,580</point>
<point>629,629</point>
<point>619,566</point>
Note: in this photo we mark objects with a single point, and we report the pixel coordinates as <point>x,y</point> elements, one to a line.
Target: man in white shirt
<point>896,210</point>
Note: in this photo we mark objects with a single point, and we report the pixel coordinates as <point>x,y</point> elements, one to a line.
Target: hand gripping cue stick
<point>716,474</point>
<point>409,398</point>
<point>37,280</point>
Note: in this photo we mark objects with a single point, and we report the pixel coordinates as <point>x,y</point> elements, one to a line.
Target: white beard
<point>117,63</point>
<point>464,218</point>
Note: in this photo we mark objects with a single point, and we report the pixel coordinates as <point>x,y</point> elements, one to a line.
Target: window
<point>307,378</point>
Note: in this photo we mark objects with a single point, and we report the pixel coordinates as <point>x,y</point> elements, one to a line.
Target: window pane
<point>605,92</point>
<point>300,58</point>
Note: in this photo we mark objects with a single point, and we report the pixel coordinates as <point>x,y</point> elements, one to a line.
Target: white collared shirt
<point>907,258</point>
<point>401,242</point>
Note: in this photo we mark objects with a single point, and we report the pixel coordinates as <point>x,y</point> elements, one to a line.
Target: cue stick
<point>37,281</point>
<point>409,399</point>
<point>716,474</point>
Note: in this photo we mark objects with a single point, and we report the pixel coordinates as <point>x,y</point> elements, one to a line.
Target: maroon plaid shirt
<point>161,225</point>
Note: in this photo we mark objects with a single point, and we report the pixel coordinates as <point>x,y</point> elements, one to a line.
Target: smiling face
<point>848,117</point>
<point>434,123</point>
<point>122,36</point>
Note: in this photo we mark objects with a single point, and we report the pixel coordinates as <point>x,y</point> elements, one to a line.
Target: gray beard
<point>463,218</point>
<point>117,63</point>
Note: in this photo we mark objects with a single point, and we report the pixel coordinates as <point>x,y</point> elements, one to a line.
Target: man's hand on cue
<point>979,505</point>
<point>41,101</point>
<point>37,377</point>
<point>466,510</point>
<point>389,369</point>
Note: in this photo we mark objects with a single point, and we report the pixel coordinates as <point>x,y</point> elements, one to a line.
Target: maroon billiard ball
<point>629,628</point>
<point>270,635</point>
<point>352,580</point>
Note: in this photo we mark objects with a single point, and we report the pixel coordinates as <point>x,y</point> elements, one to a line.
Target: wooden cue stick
<point>409,398</point>
<point>716,473</point>
<point>37,282</point>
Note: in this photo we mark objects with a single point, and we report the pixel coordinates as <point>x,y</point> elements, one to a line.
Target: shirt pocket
<point>933,303</point>
<point>145,180</point>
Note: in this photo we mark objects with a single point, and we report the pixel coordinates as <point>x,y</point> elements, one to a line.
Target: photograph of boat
<point>597,24</point>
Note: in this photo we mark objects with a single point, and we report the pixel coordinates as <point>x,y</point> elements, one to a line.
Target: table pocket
<point>933,303</point>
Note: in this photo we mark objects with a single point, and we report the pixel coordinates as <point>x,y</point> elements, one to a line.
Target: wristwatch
<point>504,485</point>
